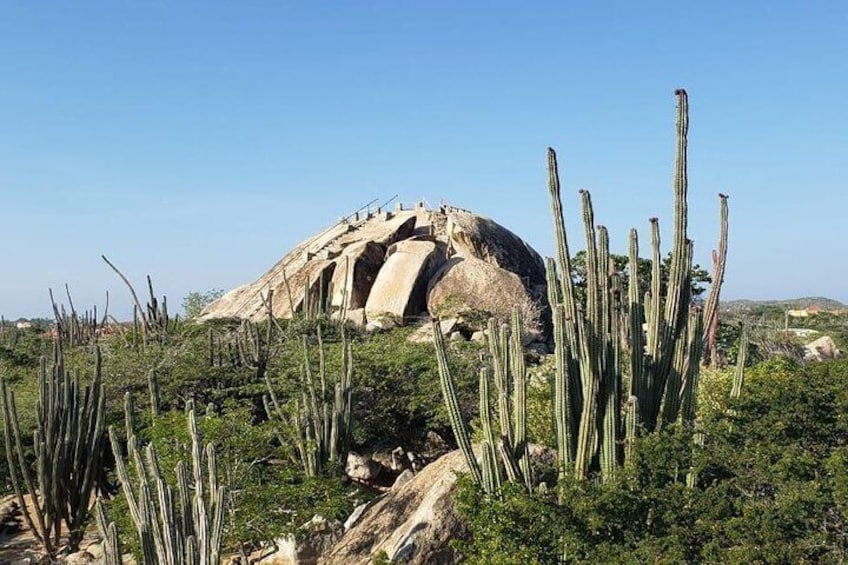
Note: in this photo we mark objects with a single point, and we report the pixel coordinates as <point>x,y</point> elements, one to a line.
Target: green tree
<point>194,302</point>
<point>700,278</point>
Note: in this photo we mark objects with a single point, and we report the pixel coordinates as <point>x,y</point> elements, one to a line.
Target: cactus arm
<point>636,317</point>
<point>739,373</point>
<point>689,393</point>
<point>719,264</point>
<point>460,429</point>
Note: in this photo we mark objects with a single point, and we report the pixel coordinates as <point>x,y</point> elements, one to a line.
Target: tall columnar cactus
<point>152,320</point>
<point>321,417</point>
<point>109,534</point>
<point>68,446</point>
<point>448,385</point>
<point>638,355</point>
<point>185,529</point>
<point>711,305</point>
<point>74,329</point>
<point>739,374</point>
<point>664,333</point>
<point>504,453</point>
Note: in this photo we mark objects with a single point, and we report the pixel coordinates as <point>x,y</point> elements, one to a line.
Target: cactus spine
<point>68,445</point>
<point>182,530</point>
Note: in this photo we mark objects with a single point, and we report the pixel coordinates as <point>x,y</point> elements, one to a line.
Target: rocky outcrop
<point>466,285</point>
<point>821,349</point>
<point>400,288</point>
<point>413,523</point>
<point>389,264</point>
<point>477,236</point>
<point>357,275</point>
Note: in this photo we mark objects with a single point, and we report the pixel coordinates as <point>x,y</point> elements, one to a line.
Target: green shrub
<point>396,396</point>
<point>772,485</point>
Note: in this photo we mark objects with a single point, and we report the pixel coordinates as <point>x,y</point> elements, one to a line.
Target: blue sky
<point>198,141</point>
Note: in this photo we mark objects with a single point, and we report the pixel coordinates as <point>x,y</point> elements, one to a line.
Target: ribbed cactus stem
<point>636,316</point>
<point>671,399</point>
<point>460,429</point>
<point>649,403</point>
<point>564,417</point>
<point>566,291</point>
<point>692,371</point>
<point>153,389</point>
<point>68,445</point>
<point>109,534</point>
<point>719,264</point>
<point>607,345</point>
<point>173,531</point>
<point>739,373</point>
<point>631,419</point>
<point>563,257</point>
<point>519,400</point>
<point>498,352</point>
<point>587,434</point>
<point>592,313</point>
<point>489,440</point>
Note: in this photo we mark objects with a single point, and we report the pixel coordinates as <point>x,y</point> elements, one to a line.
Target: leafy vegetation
<point>194,302</point>
<point>759,476</point>
<point>771,488</point>
<point>396,401</point>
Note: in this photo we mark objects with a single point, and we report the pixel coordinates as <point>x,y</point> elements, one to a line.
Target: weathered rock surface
<point>821,349</point>
<point>362,468</point>
<point>383,265</point>
<point>477,236</point>
<point>352,282</point>
<point>406,476</point>
<point>413,523</point>
<point>401,284</point>
<point>320,535</point>
<point>424,334</point>
<point>466,285</point>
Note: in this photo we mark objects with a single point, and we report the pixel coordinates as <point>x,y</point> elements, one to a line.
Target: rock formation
<point>402,265</point>
<point>411,524</point>
<point>822,349</point>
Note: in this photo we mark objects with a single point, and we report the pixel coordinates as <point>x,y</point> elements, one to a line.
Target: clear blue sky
<point>199,141</point>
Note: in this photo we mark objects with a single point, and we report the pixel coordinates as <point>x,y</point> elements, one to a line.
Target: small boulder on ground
<point>362,468</point>
<point>821,349</point>
<point>424,334</point>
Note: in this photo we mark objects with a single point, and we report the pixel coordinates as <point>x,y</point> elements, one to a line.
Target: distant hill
<point>791,303</point>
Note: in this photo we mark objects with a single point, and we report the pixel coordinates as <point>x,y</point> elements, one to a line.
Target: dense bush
<point>397,398</point>
<point>771,488</point>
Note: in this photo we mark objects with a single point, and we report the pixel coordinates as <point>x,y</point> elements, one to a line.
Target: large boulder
<point>466,286</point>
<point>401,285</point>
<point>357,270</point>
<point>478,236</point>
<point>821,349</point>
<point>414,523</point>
<point>307,262</point>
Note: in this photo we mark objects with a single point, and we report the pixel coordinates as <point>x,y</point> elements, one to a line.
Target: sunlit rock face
<point>406,265</point>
